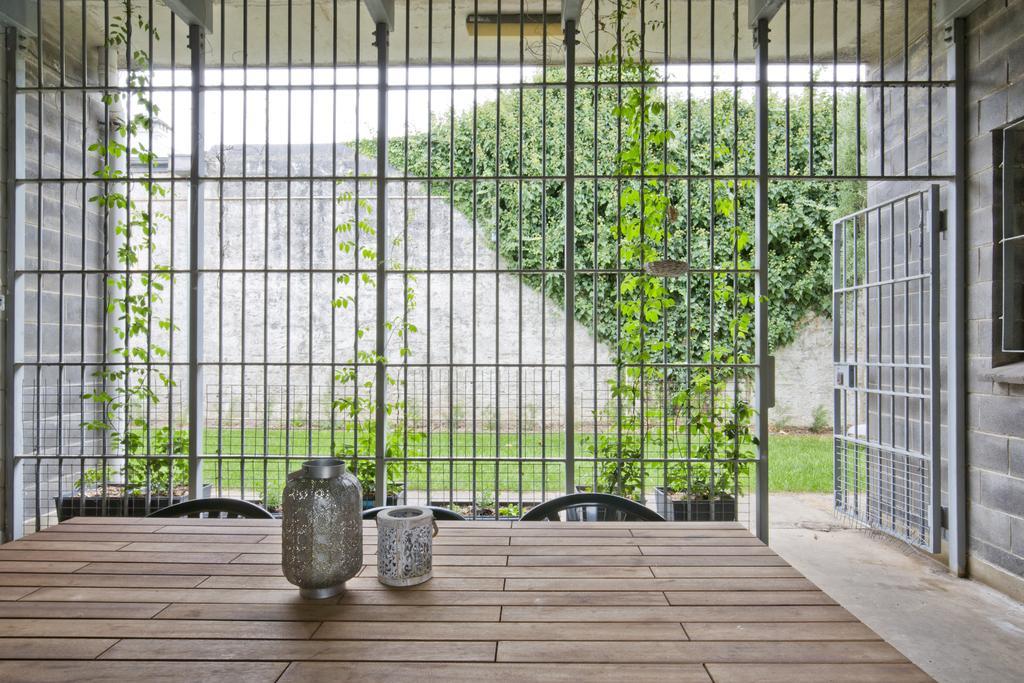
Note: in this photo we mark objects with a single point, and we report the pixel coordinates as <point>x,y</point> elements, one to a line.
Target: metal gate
<point>886,354</point>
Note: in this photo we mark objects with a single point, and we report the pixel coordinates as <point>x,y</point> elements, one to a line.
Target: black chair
<point>216,508</point>
<point>439,513</point>
<point>591,507</point>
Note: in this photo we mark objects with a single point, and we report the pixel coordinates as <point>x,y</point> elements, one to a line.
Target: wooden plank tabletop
<point>192,599</point>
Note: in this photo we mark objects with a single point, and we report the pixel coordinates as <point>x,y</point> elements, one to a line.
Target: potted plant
<point>705,486</point>
<point>359,451</point>
<point>366,473</point>
<point>143,484</point>
<point>619,465</point>
<point>693,495</point>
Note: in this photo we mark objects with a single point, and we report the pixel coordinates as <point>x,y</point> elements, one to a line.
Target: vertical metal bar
<point>935,373</point>
<point>429,370</point>
<point>380,379</point>
<point>14,288</point>
<point>197,170</point>
<point>220,251</point>
<point>333,420</point>
<point>61,378</point>
<point>956,280</point>
<point>595,260</point>
<point>570,255</point>
<point>474,218</point>
<point>713,275</point>
<point>891,286</point>
<point>405,258</point>
<point>451,264</point>
<point>290,275</point>
<point>762,387</point>
<point>497,277</point>
<point>519,246</point>
<point>838,483</point>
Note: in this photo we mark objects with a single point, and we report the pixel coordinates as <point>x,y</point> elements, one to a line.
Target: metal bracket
<point>571,11</point>
<point>382,12</point>
<point>761,9</point>
<point>193,12</point>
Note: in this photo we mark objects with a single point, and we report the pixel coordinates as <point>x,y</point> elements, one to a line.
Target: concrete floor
<point>954,629</point>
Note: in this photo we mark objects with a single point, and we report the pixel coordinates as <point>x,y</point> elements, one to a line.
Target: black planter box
<point>694,509</point>
<point>116,506</point>
<point>391,500</point>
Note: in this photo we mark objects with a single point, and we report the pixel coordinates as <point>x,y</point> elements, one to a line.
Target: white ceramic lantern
<point>405,545</point>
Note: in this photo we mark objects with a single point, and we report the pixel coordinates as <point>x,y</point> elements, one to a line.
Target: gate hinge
<point>944,517</point>
<point>942,220</point>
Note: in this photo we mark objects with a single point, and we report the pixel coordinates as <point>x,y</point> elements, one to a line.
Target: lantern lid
<point>323,468</point>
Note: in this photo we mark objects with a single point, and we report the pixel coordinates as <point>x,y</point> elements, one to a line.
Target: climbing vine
<point>358,442</point>
<point>133,292</point>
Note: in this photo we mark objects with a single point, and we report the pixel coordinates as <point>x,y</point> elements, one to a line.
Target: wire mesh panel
<point>886,354</point>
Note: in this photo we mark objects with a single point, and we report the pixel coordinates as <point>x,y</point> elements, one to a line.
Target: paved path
<point>955,629</point>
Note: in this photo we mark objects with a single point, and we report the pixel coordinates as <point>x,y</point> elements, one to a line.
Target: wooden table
<point>191,599</point>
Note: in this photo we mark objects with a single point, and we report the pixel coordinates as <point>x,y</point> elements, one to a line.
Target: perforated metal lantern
<point>322,528</point>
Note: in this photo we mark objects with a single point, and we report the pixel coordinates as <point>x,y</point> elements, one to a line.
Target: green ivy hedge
<point>521,134</point>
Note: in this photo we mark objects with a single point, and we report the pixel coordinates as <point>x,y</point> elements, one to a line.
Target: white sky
<point>305,115</point>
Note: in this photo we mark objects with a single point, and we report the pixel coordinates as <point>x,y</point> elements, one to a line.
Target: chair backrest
<point>439,513</point>
<point>215,508</point>
<point>591,507</point>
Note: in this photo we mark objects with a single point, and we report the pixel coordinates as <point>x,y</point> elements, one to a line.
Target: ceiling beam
<point>948,10</point>
<point>382,12</point>
<point>193,12</point>
<point>21,14</point>
<point>762,9</point>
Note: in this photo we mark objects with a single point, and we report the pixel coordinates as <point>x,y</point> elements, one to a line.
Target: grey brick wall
<point>3,248</point>
<point>995,410</point>
<point>62,230</point>
<point>64,315</point>
<point>995,418</point>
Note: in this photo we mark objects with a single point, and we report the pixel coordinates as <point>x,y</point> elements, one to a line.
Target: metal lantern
<point>405,545</point>
<point>322,528</point>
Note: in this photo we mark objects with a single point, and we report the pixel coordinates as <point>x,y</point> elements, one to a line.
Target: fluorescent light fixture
<point>515,25</point>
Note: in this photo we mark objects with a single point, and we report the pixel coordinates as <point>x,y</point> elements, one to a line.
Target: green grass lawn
<point>800,463</point>
<point>797,463</point>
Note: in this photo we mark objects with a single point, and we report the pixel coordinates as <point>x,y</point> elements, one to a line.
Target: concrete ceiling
<point>313,31</point>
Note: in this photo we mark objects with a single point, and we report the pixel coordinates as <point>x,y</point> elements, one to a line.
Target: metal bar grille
<point>886,395</point>
<point>426,249</point>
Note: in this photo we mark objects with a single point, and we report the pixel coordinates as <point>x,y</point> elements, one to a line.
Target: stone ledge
<point>1006,374</point>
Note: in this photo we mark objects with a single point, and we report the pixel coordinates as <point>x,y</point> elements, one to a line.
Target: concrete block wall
<point>804,376</point>
<point>62,230</point>
<point>4,208</point>
<point>64,316</point>
<point>995,409</point>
